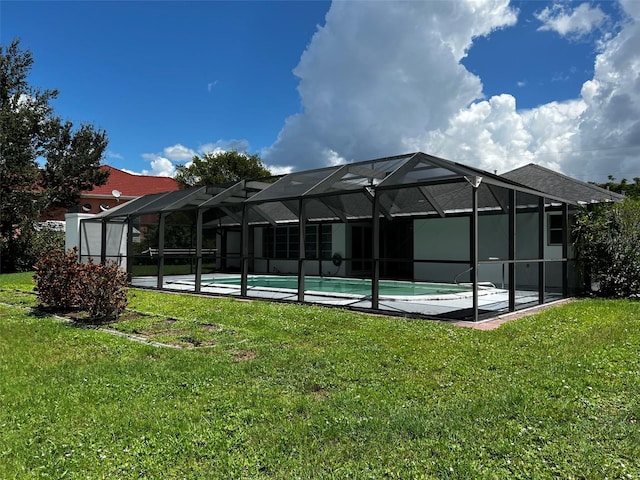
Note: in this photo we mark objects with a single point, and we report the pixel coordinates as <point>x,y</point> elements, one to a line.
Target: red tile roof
<point>130,185</point>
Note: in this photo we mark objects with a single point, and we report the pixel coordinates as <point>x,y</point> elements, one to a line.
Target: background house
<point>121,187</point>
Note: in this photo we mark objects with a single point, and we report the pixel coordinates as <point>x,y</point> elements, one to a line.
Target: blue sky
<point>306,84</point>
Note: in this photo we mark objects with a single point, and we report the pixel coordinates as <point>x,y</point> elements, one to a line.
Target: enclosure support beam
<point>163,216</point>
<point>129,264</point>
<point>375,247</point>
<point>565,250</point>
<point>258,209</point>
<point>432,200</point>
<point>474,250</point>
<point>302,228</point>
<point>199,250</point>
<point>541,255</point>
<point>342,216</point>
<point>244,257</point>
<point>497,198</point>
<point>103,241</point>
<point>370,194</point>
<point>512,250</point>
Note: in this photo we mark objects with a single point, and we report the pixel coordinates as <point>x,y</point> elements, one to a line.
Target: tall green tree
<point>220,168</point>
<point>30,135</point>
<point>630,189</point>
<point>72,163</point>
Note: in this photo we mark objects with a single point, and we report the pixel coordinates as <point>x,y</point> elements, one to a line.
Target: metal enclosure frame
<point>414,187</point>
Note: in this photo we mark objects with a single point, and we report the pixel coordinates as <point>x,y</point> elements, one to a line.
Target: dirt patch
<point>211,327</point>
<point>243,355</point>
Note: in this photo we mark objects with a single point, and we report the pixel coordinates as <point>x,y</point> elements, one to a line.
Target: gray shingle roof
<point>554,183</point>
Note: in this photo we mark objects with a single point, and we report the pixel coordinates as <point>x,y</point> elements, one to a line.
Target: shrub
<point>64,284</point>
<point>607,241</point>
<point>30,243</point>
<point>46,236</point>
<point>104,290</point>
<point>56,278</point>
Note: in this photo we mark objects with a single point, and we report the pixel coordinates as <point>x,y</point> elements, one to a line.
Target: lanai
<point>465,226</point>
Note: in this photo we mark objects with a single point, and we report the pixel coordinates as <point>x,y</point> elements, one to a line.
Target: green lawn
<point>261,390</point>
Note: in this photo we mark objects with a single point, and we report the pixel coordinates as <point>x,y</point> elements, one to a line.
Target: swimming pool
<point>339,286</point>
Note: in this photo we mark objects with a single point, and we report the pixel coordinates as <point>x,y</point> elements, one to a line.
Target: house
<point>412,234</point>
<point>121,187</point>
<point>554,183</point>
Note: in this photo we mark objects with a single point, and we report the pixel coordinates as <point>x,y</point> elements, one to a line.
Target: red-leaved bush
<point>56,276</point>
<point>64,284</point>
<point>104,292</point>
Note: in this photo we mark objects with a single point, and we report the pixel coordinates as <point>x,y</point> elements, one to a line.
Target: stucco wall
<point>449,239</point>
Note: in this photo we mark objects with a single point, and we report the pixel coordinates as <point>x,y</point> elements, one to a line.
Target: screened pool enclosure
<point>412,235</point>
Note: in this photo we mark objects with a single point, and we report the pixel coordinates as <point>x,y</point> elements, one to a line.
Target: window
<point>554,232</point>
<point>283,242</point>
<point>326,242</point>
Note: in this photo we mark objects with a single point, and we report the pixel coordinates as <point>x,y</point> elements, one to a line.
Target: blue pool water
<point>353,286</point>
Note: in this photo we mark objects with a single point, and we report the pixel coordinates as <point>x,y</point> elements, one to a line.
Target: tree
<point>631,190</point>
<point>606,241</point>
<point>73,163</point>
<point>31,133</point>
<point>220,168</point>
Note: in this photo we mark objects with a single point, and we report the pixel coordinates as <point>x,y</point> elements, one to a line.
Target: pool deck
<point>452,308</point>
<point>495,322</point>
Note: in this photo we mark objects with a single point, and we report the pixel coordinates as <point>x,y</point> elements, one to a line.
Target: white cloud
<point>578,22</point>
<point>178,153</point>
<point>609,128</point>
<point>160,166</point>
<point>240,145</point>
<point>279,170</point>
<point>164,164</point>
<point>383,78</point>
<point>632,8</point>
<point>379,71</point>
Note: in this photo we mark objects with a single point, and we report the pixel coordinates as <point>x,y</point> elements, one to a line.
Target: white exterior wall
<point>440,239</point>
<point>449,239</point>
<point>72,229</point>
<point>338,245</point>
<point>527,247</point>
<point>493,243</point>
